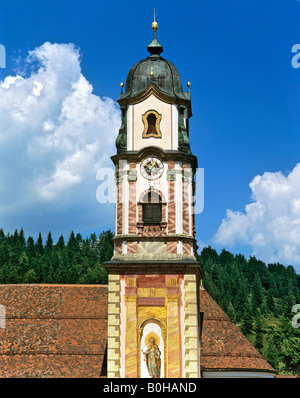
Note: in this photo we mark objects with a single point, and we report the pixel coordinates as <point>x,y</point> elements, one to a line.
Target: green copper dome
<point>157,71</point>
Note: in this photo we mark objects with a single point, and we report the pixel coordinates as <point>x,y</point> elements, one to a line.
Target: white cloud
<point>271,223</point>
<point>54,135</point>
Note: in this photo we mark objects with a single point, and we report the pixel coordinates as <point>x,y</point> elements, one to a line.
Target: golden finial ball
<point>154,26</point>
<point>188,84</point>
<point>121,84</point>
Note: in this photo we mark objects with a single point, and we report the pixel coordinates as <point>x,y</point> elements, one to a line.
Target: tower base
<point>154,319</point>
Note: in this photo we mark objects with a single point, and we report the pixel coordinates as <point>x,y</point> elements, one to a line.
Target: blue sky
<point>58,118</point>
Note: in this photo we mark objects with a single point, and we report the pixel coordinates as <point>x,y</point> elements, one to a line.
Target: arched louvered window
<point>152,208</point>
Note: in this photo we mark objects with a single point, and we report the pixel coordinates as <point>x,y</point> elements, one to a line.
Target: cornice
<point>167,237</point>
<point>136,156</point>
<point>152,89</point>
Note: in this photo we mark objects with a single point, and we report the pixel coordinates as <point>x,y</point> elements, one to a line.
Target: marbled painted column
<point>125,198</point>
<point>185,201</point>
<point>178,197</point>
<point>132,177</point>
<point>113,322</point>
<point>119,207</point>
<point>171,200</point>
<point>173,336</point>
<point>191,332</point>
<point>193,208</point>
<point>131,349</point>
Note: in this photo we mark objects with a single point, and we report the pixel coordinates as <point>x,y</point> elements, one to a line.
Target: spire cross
<point>154,47</point>
<point>154,25</point>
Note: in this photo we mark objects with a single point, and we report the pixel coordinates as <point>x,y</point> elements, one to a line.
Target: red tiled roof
<point>61,331</point>
<point>53,330</point>
<point>223,345</point>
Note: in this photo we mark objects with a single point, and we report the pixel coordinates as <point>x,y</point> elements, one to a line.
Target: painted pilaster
<point>125,198</point>
<point>191,331</point>
<point>175,127</point>
<point>113,325</point>
<point>171,200</point>
<point>132,177</point>
<point>129,127</point>
<point>178,198</point>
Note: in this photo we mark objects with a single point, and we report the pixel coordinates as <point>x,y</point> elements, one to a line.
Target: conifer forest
<point>259,298</point>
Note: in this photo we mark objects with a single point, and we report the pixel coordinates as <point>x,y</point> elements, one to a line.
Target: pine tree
<point>79,239</point>
<point>49,241</point>
<point>257,293</point>
<point>270,300</point>
<point>264,307</point>
<point>231,311</point>
<point>4,252</point>
<point>30,276</point>
<point>61,242</point>
<point>240,299</point>
<point>246,326</point>
<point>272,355</point>
<point>15,237</point>
<point>105,246</point>
<point>241,262</point>
<point>214,273</point>
<point>23,265</point>
<point>289,302</point>
<point>258,333</point>
<point>39,244</point>
<point>226,258</point>
<point>12,275</point>
<point>22,238</point>
<point>73,243</point>
<point>30,247</point>
<point>224,286</point>
<point>291,353</point>
<point>93,238</point>
<point>208,253</point>
<point>211,288</point>
<point>98,274</point>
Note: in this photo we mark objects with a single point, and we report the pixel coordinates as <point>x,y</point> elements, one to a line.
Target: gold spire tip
<point>154,23</point>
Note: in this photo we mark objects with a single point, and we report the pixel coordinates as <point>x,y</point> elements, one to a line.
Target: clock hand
<point>153,165</point>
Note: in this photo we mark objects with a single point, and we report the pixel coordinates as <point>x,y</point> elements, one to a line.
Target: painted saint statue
<point>153,360</point>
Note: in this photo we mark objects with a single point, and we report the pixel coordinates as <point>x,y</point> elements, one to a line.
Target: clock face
<point>152,168</point>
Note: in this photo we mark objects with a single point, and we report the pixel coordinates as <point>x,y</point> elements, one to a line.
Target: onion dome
<point>154,70</point>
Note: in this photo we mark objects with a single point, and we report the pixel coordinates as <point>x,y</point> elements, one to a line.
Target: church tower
<point>153,292</point>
